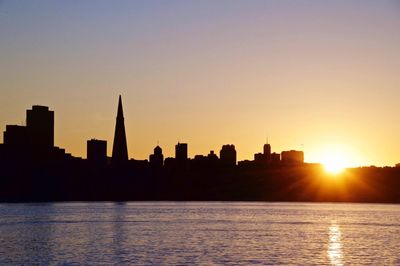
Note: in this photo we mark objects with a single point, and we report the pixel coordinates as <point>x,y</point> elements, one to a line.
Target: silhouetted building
<point>120,148</point>
<point>227,155</point>
<point>2,152</point>
<point>267,149</point>
<point>97,151</point>
<point>138,165</point>
<point>169,162</point>
<point>260,158</point>
<point>246,164</point>
<point>205,163</point>
<point>181,151</point>
<point>267,152</point>
<point>40,128</point>
<point>292,157</point>
<point>212,156</point>
<point>200,161</point>
<point>275,158</point>
<point>16,136</point>
<point>59,154</point>
<point>157,159</point>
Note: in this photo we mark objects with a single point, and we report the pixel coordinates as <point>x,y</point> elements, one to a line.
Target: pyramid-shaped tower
<point>120,149</point>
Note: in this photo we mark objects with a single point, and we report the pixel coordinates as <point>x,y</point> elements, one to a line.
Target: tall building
<point>227,155</point>
<point>181,151</point>
<point>157,159</point>
<point>40,128</point>
<point>97,151</point>
<point>120,149</point>
<point>267,151</point>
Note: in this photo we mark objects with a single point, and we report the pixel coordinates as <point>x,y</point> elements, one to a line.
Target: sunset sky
<point>320,76</point>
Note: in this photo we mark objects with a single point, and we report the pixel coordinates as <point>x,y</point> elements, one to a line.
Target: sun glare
<point>336,157</point>
<point>334,163</point>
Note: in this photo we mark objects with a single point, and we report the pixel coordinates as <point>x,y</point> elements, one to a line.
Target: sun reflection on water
<point>335,246</point>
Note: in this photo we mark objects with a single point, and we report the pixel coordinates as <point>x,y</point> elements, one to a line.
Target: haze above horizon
<point>322,77</point>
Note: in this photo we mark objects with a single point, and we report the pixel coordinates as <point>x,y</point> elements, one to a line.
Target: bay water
<point>204,233</point>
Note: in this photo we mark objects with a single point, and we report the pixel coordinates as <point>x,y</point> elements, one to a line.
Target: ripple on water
<point>199,233</point>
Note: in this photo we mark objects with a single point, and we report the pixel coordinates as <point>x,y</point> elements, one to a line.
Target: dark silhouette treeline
<point>33,169</point>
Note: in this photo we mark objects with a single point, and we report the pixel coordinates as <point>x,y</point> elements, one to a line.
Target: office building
<point>275,158</point>
<point>16,136</point>
<point>267,152</point>
<point>40,128</point>
<point>181,151</point>
<point>97,151</point>
<point>157,158</point>
<point>292,157</point>
<point>227,155</point>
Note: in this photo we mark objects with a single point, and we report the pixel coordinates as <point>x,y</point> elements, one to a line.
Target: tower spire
<point>120,111</point>
<point>120,149</point>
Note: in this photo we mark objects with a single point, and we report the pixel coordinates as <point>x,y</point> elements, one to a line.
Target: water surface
<point>199,232</point>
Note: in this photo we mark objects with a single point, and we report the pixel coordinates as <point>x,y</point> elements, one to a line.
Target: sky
<point>318,76</point>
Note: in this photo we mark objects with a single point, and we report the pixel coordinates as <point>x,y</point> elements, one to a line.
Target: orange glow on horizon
<point>334,164</point>
<point>336,158</point>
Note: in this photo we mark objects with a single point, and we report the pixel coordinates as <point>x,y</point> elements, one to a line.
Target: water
<point>199,233</point>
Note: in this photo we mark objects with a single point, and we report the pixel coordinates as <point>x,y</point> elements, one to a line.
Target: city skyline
<point>119,148</point>
<point>34,168</point>
<point>210,73</point>
<point>36,139</point>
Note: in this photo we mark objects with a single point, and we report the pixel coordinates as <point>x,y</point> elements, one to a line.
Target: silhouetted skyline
<point>34,169</point>
<point>37,139</point>
<point>310,75</point>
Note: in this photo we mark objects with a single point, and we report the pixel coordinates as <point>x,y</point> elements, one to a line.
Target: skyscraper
<point>120,149</point>
<point>267,149</point>
<point>267,152</point>
<point>40,127</point>
<point>181,151</point>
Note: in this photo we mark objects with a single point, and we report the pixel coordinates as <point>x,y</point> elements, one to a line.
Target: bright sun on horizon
<point>334,164</point>
<point>335,160</point>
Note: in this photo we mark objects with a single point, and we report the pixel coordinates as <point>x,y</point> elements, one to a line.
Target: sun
<point>334,163</point>
<point>336,157</point>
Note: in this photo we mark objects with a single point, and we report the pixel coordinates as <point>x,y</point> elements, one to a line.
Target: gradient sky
<point>321,76</point>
